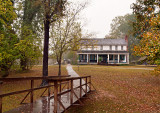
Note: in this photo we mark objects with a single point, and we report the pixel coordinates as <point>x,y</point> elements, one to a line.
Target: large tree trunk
<point>59,71</point>
<point>45,50</point>
<point>59,62</point>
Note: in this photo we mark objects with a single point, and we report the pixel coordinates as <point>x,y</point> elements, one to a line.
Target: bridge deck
<point>46,105</point>
<point>57,103</point>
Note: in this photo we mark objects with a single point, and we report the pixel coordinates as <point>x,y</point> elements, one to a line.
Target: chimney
<point>126,39</point>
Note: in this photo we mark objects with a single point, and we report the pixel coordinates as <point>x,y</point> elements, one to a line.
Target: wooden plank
<point>77,98</point>
<point>43,92</point>
<point>86,85</point>
<point>55,96</point>
<point>32,78</point>
<point>23,91</point>
<point>25,97</point>
<point>71,94</point>
<point>31,94</point>
<point>80,87</point>
<point>62,105</point>
<point>90,83</point>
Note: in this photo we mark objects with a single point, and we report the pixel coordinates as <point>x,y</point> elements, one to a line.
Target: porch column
<point>87,58</point>
<point>97,58</point>
<point>127,60</point>
<point>108,58</point>
<point>118,58</point>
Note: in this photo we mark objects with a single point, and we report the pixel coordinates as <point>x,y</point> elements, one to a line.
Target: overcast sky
<point>98,15</point>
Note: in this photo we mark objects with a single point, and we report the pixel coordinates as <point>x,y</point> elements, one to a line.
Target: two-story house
<point>104,51</point>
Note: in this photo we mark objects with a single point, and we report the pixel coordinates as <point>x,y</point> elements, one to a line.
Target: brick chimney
<point>126,39</point>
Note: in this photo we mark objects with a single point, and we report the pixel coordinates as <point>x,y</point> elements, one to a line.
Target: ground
<point>120,89</point>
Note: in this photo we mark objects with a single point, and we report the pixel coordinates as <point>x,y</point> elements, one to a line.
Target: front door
<point>103,59</point>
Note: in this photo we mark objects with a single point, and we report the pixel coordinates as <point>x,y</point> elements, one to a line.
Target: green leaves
<point>8,38</point>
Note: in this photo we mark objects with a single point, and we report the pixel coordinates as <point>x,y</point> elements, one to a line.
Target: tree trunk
<point>45,50</point>
<point>59,71</point>
<point>23,63</point>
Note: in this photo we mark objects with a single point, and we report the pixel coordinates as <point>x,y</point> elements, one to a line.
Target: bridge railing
<point>55,84</point>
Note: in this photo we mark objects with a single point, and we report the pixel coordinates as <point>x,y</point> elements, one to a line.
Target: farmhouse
<point>104,51</point>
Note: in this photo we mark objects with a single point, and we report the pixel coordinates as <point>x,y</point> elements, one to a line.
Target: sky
<point>98,15</point>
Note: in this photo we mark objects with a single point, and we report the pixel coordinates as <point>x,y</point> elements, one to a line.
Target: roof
<point>104,41</point>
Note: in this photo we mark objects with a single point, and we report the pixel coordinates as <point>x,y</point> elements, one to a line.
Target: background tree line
<point>26,22</point>
<point>143,28</point>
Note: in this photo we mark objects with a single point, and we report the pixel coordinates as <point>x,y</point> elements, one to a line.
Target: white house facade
<point>104,51</point>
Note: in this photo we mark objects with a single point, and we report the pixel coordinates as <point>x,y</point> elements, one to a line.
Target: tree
<point>144,10</point>
<point>150,43</point>
<point>8,38</point>
<point>122,26</point>
<point>28,48</point>
<point>26,28</point>
<point>66,34</point>
<point>147,28</point>
<point>53,9</point>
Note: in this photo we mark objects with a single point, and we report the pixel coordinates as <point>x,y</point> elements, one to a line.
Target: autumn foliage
<point>150,43</point>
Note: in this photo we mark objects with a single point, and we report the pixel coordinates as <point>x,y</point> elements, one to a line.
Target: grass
<point>120,89</point>
<point>13,101</point>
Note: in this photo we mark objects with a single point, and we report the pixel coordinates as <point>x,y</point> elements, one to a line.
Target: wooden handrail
<point>30,78</point>
<point>58,81</point>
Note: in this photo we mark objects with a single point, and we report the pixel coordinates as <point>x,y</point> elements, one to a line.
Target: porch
<point>104,58</point>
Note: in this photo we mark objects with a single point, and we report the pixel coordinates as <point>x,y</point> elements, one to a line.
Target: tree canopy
<point>66,33</point>
<point>8,38</point>
<point>147,28</point>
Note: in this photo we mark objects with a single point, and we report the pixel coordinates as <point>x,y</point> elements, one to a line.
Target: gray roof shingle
<point>104,41</point>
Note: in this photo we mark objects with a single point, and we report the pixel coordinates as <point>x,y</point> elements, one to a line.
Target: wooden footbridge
<point>62,92</point>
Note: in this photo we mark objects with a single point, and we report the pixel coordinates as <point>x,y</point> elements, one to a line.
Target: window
<point>116,57</point>
<point>122,57</point>
<point>97,47</point>
<point>106,48</point>
<point>119,48</point>
<point>113,47</point>
<point>124,47</point>
<point>89,47</point>
<point>83,58</point>
<point>110,57</point>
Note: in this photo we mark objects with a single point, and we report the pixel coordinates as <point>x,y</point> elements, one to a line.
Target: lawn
<point>13,101</point>
<point>120,89</point>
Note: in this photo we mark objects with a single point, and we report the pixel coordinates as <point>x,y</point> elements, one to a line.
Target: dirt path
<point>73,74</point>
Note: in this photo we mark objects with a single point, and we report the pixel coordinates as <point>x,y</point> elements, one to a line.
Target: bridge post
<point>71,96</point>
<point>90,83</point>
<point>49,90</point>
<point>31,95</point>
<point>55,96</point>
<point>80,87</point>
<point>86,85</point>
<point>60,88</point>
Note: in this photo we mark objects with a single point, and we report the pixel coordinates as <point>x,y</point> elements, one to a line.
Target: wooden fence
<point>54,82</point>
